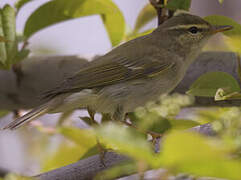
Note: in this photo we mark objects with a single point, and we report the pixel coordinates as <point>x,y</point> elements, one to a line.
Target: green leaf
<point>208,84</point>
<point>193,154</point>
<point>83,141</point>
<point>152,121</point>
<point>220,1</point>
<point>65,154</point>
<point>233,37</point>
<point>179,4</point>
<point>223,20</point>
<point>127,141</point>
<point>20,3</point>
<point>134,34</point>
<point>84,137</point>
<point>12,176</point>
<point>9,28</point>
<point>92,151</point>
<point>159,126</point>
<point>57,11</point>
<point>21,55</point>
<point>117,171</point>
<point>3,113</point>
<point>147,14</point>
<point>182,124</point>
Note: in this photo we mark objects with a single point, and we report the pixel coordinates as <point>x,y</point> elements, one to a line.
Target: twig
<point>3,172</point>
<point>84,169</point>
<point>162,13</point>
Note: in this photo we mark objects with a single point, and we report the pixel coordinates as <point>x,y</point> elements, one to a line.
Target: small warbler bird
<point>133,73</point>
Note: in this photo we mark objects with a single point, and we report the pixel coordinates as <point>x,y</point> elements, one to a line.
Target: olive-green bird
<point>133,73</point>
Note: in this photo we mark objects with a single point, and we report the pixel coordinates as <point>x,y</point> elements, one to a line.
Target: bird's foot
<point>155,140</point>
<point>102,152</point>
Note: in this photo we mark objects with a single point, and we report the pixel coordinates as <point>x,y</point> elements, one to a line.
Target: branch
<point>3,172</point>
<point>88,168</point>
<point>38,75</point>
<point>162,13</point>
<point>84,169</point>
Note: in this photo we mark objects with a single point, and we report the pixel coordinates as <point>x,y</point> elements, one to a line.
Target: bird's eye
<point>193,30</point>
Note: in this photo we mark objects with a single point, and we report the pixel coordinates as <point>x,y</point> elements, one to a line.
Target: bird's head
<point>190,30</point>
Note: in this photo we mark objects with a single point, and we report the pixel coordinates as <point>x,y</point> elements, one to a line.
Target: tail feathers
<point>28,117</point>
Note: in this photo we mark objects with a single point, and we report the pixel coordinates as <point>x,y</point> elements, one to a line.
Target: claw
<point>102,151</point>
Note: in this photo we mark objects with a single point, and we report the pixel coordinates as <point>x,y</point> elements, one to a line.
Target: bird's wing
<point>112,72</point>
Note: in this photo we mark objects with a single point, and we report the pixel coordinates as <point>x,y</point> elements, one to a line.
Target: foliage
<point>16,177</point>
<point>179,4</point>
<point>65,153</point>
<point>204,85</point>
<point>233,37</point>
<point>61,10</point>
<point>160,117</point>
<point>200,156</point>
<point>20,3</point>
<point>146,15</point>
<point>3,113</point>
<point>182,151</point>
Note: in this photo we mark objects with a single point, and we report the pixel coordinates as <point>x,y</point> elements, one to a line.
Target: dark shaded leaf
<point>159,126</point>
<point>182,124</point>
<point>179,4</point>
<point>86,119</point>
<point>3,113</point>
<point>21,55</point>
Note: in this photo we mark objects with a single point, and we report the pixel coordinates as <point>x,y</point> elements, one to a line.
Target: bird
<point>133,73</point>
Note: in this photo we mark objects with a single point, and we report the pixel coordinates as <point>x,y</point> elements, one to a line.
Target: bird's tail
<point>28,117</point>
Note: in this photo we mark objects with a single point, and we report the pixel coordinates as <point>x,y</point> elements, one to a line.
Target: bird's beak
<point>217,29</point>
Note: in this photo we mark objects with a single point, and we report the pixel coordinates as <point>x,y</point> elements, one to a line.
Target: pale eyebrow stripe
<point>186,26</point>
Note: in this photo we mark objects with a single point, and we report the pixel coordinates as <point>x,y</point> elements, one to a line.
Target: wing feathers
<point>111,72</point>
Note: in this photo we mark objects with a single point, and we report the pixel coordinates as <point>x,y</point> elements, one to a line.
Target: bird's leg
<point>92,115</point>
<point>155,140</point>
<point>63,117</point>
<point>122,117</point>
<point>17,114</point>
<point>119,114</point>
<point>155,136</point>
<point>101,149</point>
